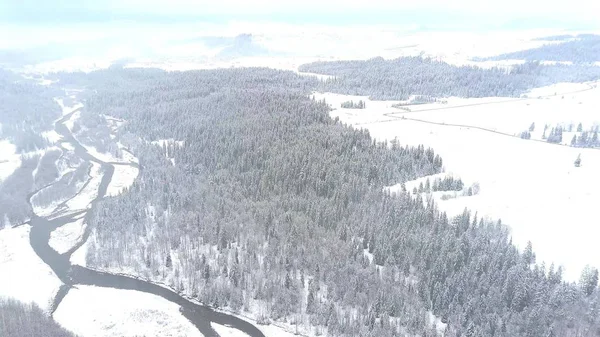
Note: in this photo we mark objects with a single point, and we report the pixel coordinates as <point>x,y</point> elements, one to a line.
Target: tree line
<point>400,78</point>
<point>19,319</point>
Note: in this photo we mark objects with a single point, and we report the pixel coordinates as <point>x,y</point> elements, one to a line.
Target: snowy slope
<point>532,186</point>
<point>103,312</point>
<point>23,275</point>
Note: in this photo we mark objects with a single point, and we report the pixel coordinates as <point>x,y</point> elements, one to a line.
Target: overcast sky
<point>427,12</point>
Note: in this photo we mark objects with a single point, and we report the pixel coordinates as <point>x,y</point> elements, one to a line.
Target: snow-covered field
<point>564,103</point>
<point>51,136</point>
<point>45,210</point>
<point>225,331</point>
<point>94,311</point>
<point>89,192</point>
<point>123,157</point>
<point>67,109</point>
<point>163,142</point>
<point>532,186</point>
<point>66,237</point>
<point>79,256</point>
<point>123,177</point>
<point>71,121</point>
<point>23,275</point>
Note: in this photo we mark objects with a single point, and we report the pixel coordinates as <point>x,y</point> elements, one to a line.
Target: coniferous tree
<point>589,280</point>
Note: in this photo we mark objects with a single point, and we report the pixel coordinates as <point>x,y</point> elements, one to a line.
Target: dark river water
<point>199,315</point>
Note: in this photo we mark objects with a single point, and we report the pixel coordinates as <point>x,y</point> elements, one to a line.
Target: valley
<point>349,181</point>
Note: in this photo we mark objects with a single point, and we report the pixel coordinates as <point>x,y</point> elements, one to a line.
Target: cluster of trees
<point>26,320</point>
<point>580,138</point>
<point>583,48</point>
<point>272,202</point>
<point>555,136</point>
<point>448,183</point>
<point>400,78</point>
<point>351,105</point>
<point>586,139</point>
<point>525,135</point>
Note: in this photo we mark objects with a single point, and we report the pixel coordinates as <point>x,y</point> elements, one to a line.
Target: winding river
<point>199,315</point>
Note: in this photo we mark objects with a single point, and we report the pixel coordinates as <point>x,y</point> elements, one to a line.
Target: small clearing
<point>122,178</point>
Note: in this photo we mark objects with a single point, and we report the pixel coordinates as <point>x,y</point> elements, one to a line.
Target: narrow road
<point>200,315</point>
<point>401,115</point>
<point>394,116</point>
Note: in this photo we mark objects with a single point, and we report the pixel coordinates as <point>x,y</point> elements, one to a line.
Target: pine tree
<point>528,254</point>
<point>588,280</point>
<point>168,262</point>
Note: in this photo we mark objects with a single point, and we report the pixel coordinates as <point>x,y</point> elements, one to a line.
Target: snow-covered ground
<point>66,237</point>
<point>23,275</point>
<point>225,331</point>
<point>123,177</point>
<point>124,156</point>
<point>79,256</point>
<point>64,167</point>
<point>273,331</point>
<point>564,103</point>
<point>94,311</point>
<point>67,109</point>
<point>67,146</point>
<point>163,142</point>
<point>532,186</point>
<point>45,210</point>
<point>89,192</point>
<point>51,136</point>
<point>9,159</point>
<point>71,121</point>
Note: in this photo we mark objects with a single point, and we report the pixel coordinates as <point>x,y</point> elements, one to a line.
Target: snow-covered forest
<point>24,320</point>
<point>397,79</point>
<point>263,204</point>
